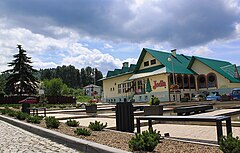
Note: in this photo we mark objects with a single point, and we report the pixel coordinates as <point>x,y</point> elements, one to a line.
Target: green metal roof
<point>180,62</point>
<point>226,69</point>
<point>124,70</point>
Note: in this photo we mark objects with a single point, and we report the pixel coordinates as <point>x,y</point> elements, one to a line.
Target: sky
<point>106,33</point>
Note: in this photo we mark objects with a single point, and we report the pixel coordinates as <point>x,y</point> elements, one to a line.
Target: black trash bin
<point>25,107</point>
<point>124,117</point>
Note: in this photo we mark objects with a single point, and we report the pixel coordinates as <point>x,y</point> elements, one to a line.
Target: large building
<point>153,75</point>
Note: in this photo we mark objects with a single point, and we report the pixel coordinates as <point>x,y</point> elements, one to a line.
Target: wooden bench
<point>217,119</point>
<point>35,111</point>
<point>192,109</point>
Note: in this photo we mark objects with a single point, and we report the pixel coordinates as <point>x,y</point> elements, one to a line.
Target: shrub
<point>97,126</point>
<point>5,111</point>
<point>12,113</point>
<point>147,141</point>
<point>230,144</point>
<point>21,115</point>
<point>154,101</point>
<point>72,123</point>
<point>82,131</point>
<point>34,119</point>
<point>52,122</point>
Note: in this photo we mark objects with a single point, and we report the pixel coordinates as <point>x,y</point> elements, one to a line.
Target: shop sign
<point>161,83</point>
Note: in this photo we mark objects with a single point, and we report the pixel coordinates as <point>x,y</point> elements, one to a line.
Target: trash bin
<point>25,107</point>
<point>124,117</point>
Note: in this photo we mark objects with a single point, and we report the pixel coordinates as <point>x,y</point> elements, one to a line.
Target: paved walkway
<point>16,140</point>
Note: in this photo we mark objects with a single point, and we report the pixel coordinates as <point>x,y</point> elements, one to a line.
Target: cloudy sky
<point>105,33</point>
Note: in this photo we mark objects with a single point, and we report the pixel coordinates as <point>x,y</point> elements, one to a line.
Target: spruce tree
<point>21,79</point>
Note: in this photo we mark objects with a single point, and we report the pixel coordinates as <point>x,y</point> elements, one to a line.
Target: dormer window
<point>153,61</point>
<point>146,63</point>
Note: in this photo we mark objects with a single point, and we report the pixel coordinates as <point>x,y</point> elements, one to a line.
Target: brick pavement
<point>16,140</point>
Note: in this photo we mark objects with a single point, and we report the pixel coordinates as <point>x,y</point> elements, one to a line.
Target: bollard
<point>124,117</point>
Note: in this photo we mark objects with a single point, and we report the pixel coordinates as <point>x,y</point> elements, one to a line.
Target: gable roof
<point>224,68</point>
<point>180,62</point>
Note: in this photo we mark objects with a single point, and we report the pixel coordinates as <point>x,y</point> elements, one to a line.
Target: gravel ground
<point>120,140</point>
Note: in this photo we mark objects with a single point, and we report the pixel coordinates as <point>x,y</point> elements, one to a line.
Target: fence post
<point>124,117</point>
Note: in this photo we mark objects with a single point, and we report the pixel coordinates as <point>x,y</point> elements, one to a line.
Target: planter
<point>91,109</point>
<point>153,110</point>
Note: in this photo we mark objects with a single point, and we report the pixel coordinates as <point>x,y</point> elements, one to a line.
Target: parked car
<point>214,96</point>
<point>236,94</point>
<point>199,97</point>
<point>29,100</point>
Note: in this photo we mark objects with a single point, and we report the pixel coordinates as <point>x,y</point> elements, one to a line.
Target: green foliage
<point>52,122</point>
<point>97,126</point>
<point>34,119</point>
<point>5,110</point>
<point>82,131</point>
<point>154,101</point>
<point>72,123</point>
<point>21,115</point>
<point>230,144</point>
<point>12,113</point>
<point>21,74</point>
<point>83,98</point>
<point>147,141</point>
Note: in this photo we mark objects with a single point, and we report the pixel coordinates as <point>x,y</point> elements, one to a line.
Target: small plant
<point>52,122</point>
<point>12,113</point>
<point>154,101</point>
<point>230,144</point>
<point>147,141</point>
<point>21,115</point>
<point>72,123</point>
<point>97,126</point>
<point>5,110</point>
<point>34,119</point>
<point>82,131</point>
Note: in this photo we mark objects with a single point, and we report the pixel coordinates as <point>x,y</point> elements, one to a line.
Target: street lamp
<point>171,60</point>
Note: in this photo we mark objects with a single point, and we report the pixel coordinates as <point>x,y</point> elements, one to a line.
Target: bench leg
<point>138,125</point>
<point>229,126</point>
<point>149,124</point>
<point>219,131</point>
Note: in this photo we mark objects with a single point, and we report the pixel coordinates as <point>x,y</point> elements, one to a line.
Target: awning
<point>142,75</point>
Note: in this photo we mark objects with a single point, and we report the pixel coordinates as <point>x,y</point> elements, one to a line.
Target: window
<point>212,80</point>
<point>113,89</point>
<point>185,81</point>
<point>192,82</point>
<point>179,81</point>
<point>119,88</point>
<point>129,86</point>
<point>202,81</point>
<point>146,63</point>
<point>153,61</point>
<point>124,87</point>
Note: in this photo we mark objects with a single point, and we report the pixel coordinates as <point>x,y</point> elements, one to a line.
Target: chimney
<point>174,52</point>
<point>125,64</point>
<point>236,74</point>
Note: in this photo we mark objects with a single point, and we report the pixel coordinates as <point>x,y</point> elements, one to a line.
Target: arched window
<point>202,81</point>
<point>212,80</point>
<point>192,82</point>
<point>179,81</point>
<point>185,81</point>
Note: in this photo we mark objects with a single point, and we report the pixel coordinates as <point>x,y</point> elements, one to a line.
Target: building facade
<point>157,73</point>
<point>92,90</point>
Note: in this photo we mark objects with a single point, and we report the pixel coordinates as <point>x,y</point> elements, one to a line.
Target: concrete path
<point>14,139</point>
<point>220,112</point>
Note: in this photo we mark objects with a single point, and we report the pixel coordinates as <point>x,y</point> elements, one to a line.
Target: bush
<point>5,110</point>
<point>21,115</point>
<point>34,119</point>
<point>12,113</point>
<point>230,144</point>
<point>154,101</point>
<point>82,131</point>
<point>97,126</point>
<point>72,123</point>
<point>147,141</point>
<point>52,122</point>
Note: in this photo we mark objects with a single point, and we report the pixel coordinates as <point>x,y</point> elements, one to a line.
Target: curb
<point>70,141</point>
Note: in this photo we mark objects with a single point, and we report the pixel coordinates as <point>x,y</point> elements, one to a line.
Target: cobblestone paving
<point>16,140</point>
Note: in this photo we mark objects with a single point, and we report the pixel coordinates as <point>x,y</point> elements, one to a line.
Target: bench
<point>192,109</point>
<point>35,111</point>
<point>217,119</point>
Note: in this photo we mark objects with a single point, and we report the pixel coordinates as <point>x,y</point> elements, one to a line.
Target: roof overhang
<point>147,74</point>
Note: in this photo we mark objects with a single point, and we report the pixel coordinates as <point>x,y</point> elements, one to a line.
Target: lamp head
<point>169,59</point>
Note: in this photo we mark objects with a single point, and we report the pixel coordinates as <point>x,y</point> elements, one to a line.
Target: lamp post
<point>171,60</point>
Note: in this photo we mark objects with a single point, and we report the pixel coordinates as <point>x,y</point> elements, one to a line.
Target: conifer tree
<point>21,79</point>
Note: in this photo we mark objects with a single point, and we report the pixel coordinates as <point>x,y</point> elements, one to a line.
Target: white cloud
<point>108,46</point>
<point>203,51</point>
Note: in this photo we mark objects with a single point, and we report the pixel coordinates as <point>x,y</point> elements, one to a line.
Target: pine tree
<point>21,79</point>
